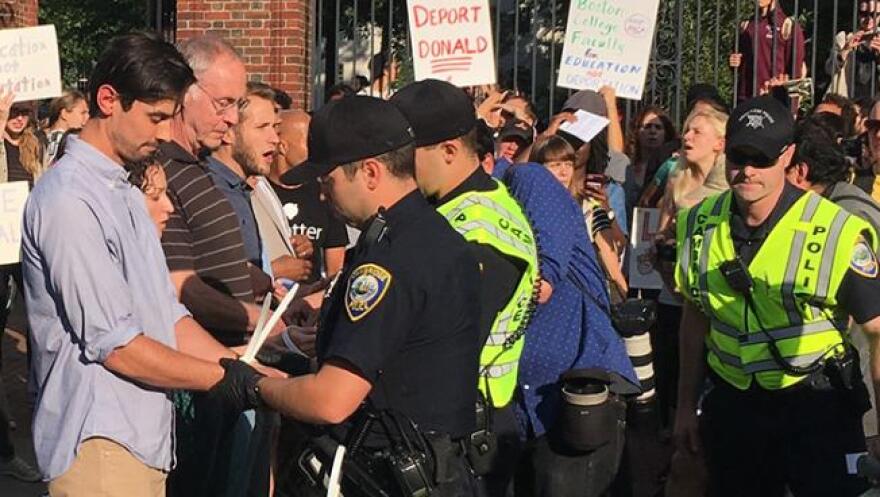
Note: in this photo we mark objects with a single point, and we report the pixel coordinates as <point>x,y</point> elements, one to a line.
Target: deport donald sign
<point>608,42</point>
<point>452,41</point>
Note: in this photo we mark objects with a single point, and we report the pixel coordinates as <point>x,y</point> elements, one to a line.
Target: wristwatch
<point>611,215</point>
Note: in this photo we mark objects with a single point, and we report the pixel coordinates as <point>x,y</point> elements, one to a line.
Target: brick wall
<point>273,36</point>
<point>16,13</point>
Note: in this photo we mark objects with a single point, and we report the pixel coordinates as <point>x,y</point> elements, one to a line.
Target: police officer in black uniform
<point>398,339</point>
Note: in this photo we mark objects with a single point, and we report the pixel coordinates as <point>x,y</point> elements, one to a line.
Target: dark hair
<point>400,162</point>
<point>140,66</point>
<point>552,148</point>
<point>485,140</point>
<point>339,90</point>
<point>832,124</point>
<point>847,111</point>
<point>821,151</point>
<point>530,111</point>
<point>669,131</point>
<point>283,99</point>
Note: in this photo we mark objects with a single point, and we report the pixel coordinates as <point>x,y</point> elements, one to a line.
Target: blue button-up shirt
<point>573,329</point>
<point>238,192</point>
<point>95,278</point>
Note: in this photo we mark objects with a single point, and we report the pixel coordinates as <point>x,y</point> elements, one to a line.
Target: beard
<point>250,162</point>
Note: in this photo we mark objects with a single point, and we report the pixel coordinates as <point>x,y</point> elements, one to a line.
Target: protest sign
<point>608,42</point>
<point>12,199</point>
<point>586,127</point>
<point>641,259</point>
<point>29,64</point>
<point>452,41</point>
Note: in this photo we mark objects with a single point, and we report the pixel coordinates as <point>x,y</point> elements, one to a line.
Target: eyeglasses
<point>754,159</point>
<point>221,105</point>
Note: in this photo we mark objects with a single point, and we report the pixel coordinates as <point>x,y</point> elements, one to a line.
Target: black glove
<point>288,362</point>
<point>238,388</point>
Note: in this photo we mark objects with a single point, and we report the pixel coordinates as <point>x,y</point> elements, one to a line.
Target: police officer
<point>448,172</point>
<point>771,275</point>
<point>398,337</point>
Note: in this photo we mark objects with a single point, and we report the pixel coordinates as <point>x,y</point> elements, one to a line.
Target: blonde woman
<point>698,174</point>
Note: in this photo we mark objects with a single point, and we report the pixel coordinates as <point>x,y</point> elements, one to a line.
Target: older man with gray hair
<point>205,254</point>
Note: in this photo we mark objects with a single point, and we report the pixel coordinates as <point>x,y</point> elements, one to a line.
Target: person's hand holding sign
<point>6,100</point>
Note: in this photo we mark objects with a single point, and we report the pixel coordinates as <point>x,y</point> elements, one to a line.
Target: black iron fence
<point>356,40</point>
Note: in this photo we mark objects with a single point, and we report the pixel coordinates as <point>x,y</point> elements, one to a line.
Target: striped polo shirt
<point>203,233</point>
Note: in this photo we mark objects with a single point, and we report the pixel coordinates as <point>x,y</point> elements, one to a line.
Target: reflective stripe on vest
<point>495,219</point>
<point>796,274</point>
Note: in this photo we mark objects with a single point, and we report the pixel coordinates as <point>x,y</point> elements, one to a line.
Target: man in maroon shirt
<point>777,45</point>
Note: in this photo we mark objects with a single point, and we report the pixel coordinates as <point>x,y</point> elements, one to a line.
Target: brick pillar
<point>18,13</point>
<point>272,35</point>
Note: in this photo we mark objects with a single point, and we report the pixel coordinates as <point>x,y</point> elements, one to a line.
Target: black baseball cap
<point>437,110</point>
<point>758,132</point>
<point>348,130</point>
<point>517,130</point>
<point>588,101</point>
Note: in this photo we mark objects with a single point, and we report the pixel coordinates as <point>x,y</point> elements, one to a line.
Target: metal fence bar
<point>795,71</point>
<point>534,23</point>
<point>679,43</point>
<point>717,41</point>
<point>390,35</point>
<point>336,66</point>
<point>755,41</point>
<point>736,50</point>
<point>355,38</point>
<point>373,48</point>
<point>552,83</point>
<point>516,46</point>
<point>815,37</point>
<point>498,38</point>
<point>699,46</point>
<point>855,24</point>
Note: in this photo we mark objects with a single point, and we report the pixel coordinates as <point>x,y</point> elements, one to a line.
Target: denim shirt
<point>95,278</point>
<point>573,329</point>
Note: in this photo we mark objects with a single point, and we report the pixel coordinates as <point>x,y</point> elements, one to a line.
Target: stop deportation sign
<point>452,41</point>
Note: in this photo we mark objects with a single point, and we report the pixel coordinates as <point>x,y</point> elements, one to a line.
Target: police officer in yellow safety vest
<point>448,173</point>
<point>771,275</point>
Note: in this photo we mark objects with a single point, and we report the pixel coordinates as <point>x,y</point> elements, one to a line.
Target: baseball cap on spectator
<point>758,132</point>
<point>517,130</point>
<point>437,111</point>
<point>587,100</point>
<point>348,130</point>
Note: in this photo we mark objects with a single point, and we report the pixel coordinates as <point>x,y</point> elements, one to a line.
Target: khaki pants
<point>103,468</point>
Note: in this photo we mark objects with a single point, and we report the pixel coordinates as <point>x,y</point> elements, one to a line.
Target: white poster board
<point>12,199</point>
<point>641,267</point>
<point>29,64</point>
<point>608,42</point>
<point>452,41</point>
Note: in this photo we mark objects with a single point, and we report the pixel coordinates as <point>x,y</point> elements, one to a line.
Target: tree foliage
<point>85,26</point>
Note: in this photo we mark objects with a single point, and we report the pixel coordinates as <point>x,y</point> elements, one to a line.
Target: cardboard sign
<point>452,41</point>
<point>641,265</point>
<point>608,42</point>
<point>12,199</point>
<point>29,64</point>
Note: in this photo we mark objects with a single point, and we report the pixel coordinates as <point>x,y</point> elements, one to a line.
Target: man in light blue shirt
<point>109,337</point>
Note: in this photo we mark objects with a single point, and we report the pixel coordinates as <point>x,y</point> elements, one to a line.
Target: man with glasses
<point>771,275</point>
<point>860,48</point>
<point>205,253</point>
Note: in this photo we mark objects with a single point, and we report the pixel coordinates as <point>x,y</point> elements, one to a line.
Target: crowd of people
<point>455,315</point>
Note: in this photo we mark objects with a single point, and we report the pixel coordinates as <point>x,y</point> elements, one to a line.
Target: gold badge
<point>367,286</point>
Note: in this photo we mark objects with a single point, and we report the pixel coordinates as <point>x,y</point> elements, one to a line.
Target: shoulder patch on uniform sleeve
<point>863,260</point>
<point>367,286</point>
